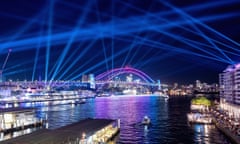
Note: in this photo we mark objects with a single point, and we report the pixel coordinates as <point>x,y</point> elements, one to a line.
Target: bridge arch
<point>109,75</point>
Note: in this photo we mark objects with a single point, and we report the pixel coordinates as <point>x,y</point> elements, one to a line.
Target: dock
<point>82,132</point>
<point>15,119</point>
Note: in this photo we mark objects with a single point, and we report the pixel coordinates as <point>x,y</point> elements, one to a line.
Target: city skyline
<point>171,41</point>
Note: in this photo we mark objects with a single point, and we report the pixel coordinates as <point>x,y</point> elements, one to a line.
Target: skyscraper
<point>229,82</point>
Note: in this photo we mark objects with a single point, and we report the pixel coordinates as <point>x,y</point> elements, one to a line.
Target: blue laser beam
<point>77,59</point>
<point>193,22</point>
<point>48,48</point>
<point>202,24</point>
<point>36,55</point>
<point>74,34</point>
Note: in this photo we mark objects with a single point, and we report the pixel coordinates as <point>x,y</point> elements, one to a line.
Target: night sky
<point>174,41</point>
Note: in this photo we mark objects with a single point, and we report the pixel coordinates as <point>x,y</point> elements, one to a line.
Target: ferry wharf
<point>88,131</point>
<point>15,119</point>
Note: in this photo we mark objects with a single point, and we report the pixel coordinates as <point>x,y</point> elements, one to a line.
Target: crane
<point>4,64</point>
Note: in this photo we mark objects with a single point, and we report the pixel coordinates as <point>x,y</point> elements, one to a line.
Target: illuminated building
<point>129,78</point>
<point>229,82</point>
<point>84,78</point>
<point>89,79</point>
<point>198,85</point>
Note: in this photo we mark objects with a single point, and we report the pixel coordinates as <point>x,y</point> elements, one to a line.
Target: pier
<point>14,119</point>
<point>85,131</point>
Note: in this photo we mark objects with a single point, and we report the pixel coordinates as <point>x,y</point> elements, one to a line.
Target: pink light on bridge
<point>108,75</point>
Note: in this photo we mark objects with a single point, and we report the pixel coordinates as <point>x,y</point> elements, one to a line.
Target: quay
<point>202,113</point>
<point>228,126</point>
<point>92,131</point>
<point>233,137</point>
<point>233,133</point>
<point>14,119</point>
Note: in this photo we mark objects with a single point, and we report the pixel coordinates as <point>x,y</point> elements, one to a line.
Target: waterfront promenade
<point>229,126</point>
<point>202,112</point>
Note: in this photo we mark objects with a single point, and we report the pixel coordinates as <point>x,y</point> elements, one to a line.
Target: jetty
<point>15,119</point>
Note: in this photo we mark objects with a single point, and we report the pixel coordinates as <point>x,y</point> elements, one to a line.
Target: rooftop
<point>63,134</point>
<point>17,109</point>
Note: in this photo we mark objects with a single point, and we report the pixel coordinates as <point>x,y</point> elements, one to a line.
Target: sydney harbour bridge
<point>126,80</point>
<point>118,78</point>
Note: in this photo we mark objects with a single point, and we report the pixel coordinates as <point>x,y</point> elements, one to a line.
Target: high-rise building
<point>229,82</point>
<point>129,78</point>
<point>198,85</point>
<point>90,79</point>
<point>84,78</point>
<point>175,85</point>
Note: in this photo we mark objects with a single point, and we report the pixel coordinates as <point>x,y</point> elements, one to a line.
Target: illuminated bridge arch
<point>109,75</point>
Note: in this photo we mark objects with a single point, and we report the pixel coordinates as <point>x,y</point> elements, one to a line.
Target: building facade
<point>229,82</point>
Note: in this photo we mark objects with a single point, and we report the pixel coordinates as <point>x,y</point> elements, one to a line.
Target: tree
<point>201,101</point>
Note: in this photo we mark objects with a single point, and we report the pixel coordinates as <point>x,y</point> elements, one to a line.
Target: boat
<point>199,118</point>
<point>161,94</point>
<point>80,101</point>
<point>129,92</point>
<point>146,120</point>
<point>104,94</point>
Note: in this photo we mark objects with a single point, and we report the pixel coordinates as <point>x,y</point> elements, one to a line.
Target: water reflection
<point>201,132</point>
<point>208,134</point>
<point>168,119</point>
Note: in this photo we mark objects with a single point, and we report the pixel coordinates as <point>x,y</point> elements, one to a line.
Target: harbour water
<point>168,119</point>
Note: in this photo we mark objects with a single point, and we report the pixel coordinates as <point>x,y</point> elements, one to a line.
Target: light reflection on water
<point>168,119</point>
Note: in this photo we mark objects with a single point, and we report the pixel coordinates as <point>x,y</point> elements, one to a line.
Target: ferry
<point>161,94</point>
<point>146,120</point>
<point>126,92</point>
<point>42,97</point>
<point>129,92</point>
<point>132,92</point>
